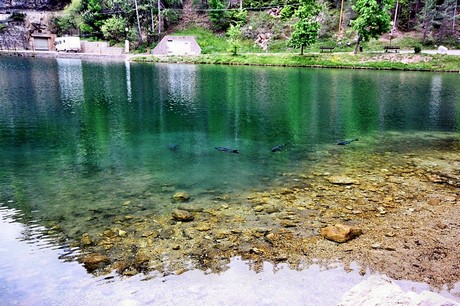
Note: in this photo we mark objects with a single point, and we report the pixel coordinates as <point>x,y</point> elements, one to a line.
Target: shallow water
<point>83,142</point>
<point>44,277</point>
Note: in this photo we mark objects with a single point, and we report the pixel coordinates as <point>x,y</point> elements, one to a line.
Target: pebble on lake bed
<point>182,215</point>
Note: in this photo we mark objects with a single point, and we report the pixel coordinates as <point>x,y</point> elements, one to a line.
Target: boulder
<point>442,50</point>
<point>340,232</point>
<point>181,196</point>
<point>182,215</point>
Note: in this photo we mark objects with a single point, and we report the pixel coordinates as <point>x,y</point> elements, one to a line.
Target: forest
<point>269,24</point>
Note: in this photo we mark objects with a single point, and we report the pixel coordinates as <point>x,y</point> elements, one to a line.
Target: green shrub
<point>16,16</point>
<point>287,12</point>
<point>234,38</point>
<point>65,24</point>
<point>113,29</point>
<point>417,49</point>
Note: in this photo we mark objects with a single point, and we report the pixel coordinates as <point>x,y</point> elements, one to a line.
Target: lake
<point>95,156</point>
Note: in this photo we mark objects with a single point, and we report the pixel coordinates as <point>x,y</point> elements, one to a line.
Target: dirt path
<point>190,18</point>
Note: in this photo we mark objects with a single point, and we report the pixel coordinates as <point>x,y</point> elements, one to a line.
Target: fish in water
<point>345,142</point>
<point>226,150</point>
<point>172,146</point>
<point>278,148</point>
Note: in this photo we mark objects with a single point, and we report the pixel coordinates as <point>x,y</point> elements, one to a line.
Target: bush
<point>234,37</point>
<point>16,16</point>
<point>65,25</point>
<point>417,49</point>
<point>113,29</point>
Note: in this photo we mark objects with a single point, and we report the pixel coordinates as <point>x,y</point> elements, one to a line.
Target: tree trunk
<point>159,19</point>
<point>151,18</point>
<point>395,17</point>
<point>358,43</point>
<point>454,13</point>
<point>301,50</point>
<point>340,20</point>
<point>138,23</point>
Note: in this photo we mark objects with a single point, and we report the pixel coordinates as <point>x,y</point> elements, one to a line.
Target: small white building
<point>177,45</point>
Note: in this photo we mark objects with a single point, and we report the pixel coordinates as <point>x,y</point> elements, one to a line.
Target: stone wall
<point>39,5</point>
<point>16,35</point>
<point>13,37</point>
<point>100,47</point>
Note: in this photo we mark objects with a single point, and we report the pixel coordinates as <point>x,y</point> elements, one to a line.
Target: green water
<point>82,141</point>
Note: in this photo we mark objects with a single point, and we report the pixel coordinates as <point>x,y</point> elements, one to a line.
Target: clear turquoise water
<point>80,138</point>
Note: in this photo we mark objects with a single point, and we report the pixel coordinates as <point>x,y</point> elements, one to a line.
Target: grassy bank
<point>384,61</point>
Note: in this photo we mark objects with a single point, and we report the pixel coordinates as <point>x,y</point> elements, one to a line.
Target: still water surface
<point>78,139</point>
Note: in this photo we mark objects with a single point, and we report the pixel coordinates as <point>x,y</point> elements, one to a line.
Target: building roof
<point>177,45</point>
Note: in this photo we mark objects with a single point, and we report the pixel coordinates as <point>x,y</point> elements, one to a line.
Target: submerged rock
<point>340,232</point>
<point>182,215</point>
<point>181,196</point>
<point>86,239</point>
<point>342,180</point>
<point>190,207</point>
<point>166,233</point>
<point>94,261</point>
<point>203,227</point>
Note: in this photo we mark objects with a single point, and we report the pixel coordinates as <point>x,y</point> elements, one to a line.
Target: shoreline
<point>55,54</point>
<point>427,61</point>
<point>424,62</point>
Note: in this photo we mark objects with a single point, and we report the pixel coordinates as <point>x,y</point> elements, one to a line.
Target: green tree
<point>68,22</point>
<point>427,16</point>
<point>65,24</point>
<point>222,18</point>
<point>92,17</point>
<point>373,19</point>
<point>113,29</point>
<point>446,14</point>
<point>307,27</point>
<point>234,38</point>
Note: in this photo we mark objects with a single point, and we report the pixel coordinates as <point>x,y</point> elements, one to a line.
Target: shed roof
<point>177,45</point>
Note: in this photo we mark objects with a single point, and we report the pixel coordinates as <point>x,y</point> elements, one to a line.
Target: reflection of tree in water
<point>179,84</point>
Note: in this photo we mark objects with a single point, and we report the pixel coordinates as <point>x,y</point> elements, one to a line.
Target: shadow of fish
<point>279,148</point>
<point>172,146</point>
<point>226,150</point>
<point>345,142</point>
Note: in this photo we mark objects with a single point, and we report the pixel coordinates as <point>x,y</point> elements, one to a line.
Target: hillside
<point>265,26</point>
